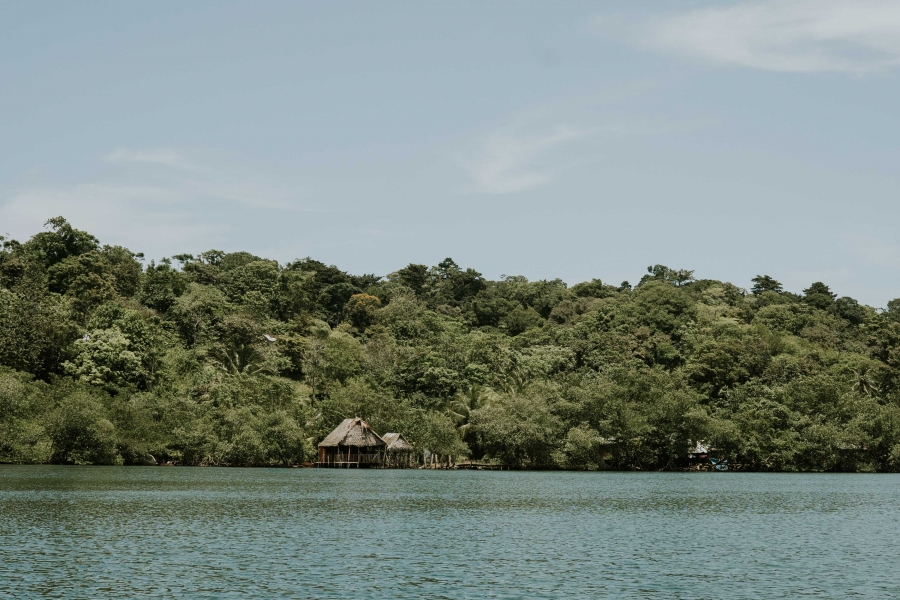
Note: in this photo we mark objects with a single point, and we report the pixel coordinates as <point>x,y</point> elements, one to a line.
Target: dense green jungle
<point>232,359</point>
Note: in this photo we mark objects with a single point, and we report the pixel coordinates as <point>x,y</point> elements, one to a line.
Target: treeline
<point>232,359</point>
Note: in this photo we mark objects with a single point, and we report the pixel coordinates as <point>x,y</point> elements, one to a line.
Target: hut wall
<point>350,456</point>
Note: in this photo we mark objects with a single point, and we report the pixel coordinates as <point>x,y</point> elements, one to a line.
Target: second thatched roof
<point>352,432</point>
<point>396,441</point>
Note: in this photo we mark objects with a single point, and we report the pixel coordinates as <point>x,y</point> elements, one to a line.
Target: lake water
<point>88,532</point>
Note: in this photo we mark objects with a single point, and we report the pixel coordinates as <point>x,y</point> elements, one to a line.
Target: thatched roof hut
<point>352,443</point>
<point>352,432</point>
<point>396,441</point>
<point>398,452</point>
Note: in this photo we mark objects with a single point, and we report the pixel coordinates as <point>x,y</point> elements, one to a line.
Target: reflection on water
<point>219,533</point>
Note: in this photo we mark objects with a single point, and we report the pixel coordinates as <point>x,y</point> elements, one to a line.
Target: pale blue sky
<point>548,139</point>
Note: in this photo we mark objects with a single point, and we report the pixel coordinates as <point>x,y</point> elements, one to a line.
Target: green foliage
<point>358,398</point>
<point>593,289</point>
<point>81,432</point>
<point>764,283</point>
<point>519,320</point>
<point>243,349</point>
<point>414,277</point>
<point>37,329</point>
<point>581,449</point>
<point>893,309</point>
<point>104,358</point>
<point>112,268</point>
<point>334,298</point>
<point>160,286</point>
<point>232,359</point>
<point>850,310</point>
<point>233,260</point>
<point>328,357</point>
<point>819,295</point>
<point>434,432</point>
<point>62,241</point>
<point>253,284</point>
<point>23,435</point>
<point>519,430</point>
<point>255,438</point>
<point>676,277</point>
<point>197,311</point>
<point>362,309</point>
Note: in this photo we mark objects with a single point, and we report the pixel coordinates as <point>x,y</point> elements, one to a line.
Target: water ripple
<point>68,532</point>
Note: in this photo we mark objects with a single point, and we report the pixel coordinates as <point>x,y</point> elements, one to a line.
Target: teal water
<point>89,532</point>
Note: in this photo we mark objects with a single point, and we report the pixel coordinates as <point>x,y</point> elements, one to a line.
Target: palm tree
<point>863,381</point>
<point>242,349</point>
<point>517,379</point>
<point>463,404</point>
<point>242,361</point>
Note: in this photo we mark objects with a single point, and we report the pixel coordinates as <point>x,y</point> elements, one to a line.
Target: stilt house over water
<point>398,452</point>
<point>352,444</point>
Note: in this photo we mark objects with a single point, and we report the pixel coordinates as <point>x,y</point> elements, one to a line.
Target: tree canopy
<point>234,359</point>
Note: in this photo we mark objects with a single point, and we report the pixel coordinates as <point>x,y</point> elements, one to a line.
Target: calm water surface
<point>88,532</point>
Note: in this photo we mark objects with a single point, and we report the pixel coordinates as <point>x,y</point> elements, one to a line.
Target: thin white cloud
<point>201,179</point>
<point>512,161</point>
<point>159,156</point>
<point>532,151</point>
<point>851,36</point>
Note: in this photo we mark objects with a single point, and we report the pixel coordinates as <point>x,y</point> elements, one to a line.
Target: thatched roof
<point>352,432</point>
<point>396,441</point>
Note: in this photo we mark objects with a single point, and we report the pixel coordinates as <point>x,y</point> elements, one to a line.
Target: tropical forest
<point>232,359</point>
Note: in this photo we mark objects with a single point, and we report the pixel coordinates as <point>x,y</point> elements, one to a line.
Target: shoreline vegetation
<point>233,359</point>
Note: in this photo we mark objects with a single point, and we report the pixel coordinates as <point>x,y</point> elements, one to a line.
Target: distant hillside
<point>229,358</point>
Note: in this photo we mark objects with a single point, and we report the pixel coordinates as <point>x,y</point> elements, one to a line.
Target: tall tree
<point>764,283</point>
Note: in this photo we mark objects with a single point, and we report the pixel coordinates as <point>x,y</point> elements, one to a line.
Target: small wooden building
<point>398,451</point>
<point>352,444</point>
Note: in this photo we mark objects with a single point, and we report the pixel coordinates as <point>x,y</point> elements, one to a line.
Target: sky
<point>576,140</point>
